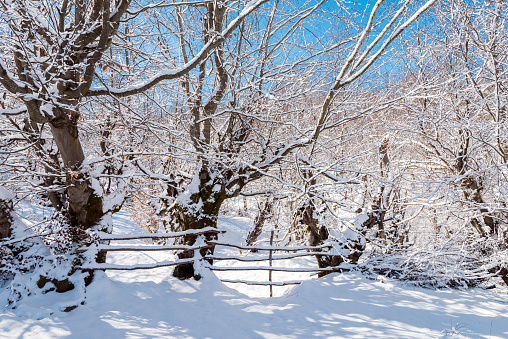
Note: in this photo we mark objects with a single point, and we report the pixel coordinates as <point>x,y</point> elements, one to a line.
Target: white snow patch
<point>5,194</point>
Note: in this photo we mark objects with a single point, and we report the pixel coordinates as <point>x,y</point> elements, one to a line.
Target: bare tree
<point>247,107</point>
<point>53,51</point>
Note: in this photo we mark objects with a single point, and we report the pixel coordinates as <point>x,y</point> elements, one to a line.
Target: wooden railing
<point>112,238</point>
<point>291,253</point>
<point>310,251</point>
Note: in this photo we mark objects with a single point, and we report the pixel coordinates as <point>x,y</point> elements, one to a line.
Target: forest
<point>375,128</point>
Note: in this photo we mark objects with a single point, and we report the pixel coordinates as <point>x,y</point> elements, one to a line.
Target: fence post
<point>197,265</point>
<point>270,264</point>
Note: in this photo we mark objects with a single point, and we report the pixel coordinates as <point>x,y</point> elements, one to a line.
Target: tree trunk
<point>196,210</point>
<point>6,208</point>
<point>473,194</point>
<point>264,213</point>
<point>85,205</point>
<point>380,206</point>
<point>54,167</point>
<point>316,236</point>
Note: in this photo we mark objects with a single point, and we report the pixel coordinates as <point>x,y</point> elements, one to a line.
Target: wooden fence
<point>291,253</point>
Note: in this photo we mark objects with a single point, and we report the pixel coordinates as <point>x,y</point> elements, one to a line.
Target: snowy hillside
<point>153,304</point>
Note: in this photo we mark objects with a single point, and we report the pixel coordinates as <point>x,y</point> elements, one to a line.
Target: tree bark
<point>5,217</point>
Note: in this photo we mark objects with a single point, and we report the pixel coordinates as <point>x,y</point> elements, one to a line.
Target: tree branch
<point>186,68</point>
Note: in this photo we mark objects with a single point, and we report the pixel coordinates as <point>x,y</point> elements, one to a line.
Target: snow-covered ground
<point>151,303</point>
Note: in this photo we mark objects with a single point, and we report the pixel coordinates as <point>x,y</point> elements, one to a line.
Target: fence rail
<point>270,248</point>
<point>110,248</point>
<point>273,268</point>
<point>263,283</point>
<point>282,257</point>
<point>107,236</point>
<point>114,267</point>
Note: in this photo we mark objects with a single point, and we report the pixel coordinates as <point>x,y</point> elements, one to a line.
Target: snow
<point>5,194</point>
<point>153,304</point>
<point>47,109</point>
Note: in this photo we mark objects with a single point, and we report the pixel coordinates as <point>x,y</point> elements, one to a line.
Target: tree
<point>50,68</point>
<point>247,108</point>
<point>54,60</point>
<point>449,135</point>
<point>461,109</point>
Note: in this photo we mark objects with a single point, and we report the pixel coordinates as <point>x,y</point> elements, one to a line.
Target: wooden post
<point>270,264</point>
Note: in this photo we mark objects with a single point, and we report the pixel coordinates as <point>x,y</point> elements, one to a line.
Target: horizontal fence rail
<point>107,236</point>
<point>281,257</point>
<point>114,267</point>
<point>263,283</point>
<point>110,248</point>
<point>270,248</point>
<point>273,269</point>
